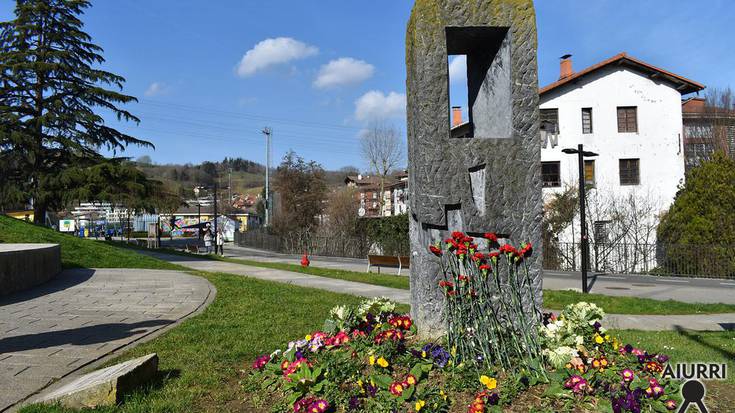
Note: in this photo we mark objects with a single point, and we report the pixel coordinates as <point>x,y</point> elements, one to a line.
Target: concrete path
<point>81,316</point>
<point>715,322</point>
<point>287,277</point>
<point>691,290</point>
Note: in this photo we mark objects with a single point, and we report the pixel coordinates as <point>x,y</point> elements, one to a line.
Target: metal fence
<point>349,247</point>
<point>680,260</point>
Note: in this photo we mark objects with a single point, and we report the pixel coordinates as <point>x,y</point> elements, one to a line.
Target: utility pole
<point>229,186</point>
<point>215,209</point>
<point>268,132</point>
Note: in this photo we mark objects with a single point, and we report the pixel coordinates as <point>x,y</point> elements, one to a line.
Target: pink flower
<point>628,375</point>
<point>261,361</point>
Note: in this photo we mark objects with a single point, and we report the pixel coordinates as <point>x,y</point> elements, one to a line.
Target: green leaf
<point>382,381</point>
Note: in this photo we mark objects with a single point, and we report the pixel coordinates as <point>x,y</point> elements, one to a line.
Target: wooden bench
<point>391,261</point>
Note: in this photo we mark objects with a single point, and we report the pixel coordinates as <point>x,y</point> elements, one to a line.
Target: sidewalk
<point>714,322</point>
<point>83,315</point>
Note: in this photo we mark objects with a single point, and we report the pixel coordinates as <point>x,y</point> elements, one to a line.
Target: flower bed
<point>368,359</point>
<point>499,358</point>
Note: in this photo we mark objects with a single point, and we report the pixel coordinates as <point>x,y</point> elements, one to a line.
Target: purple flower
<point>355,403</point>
<point>628,348</point>
<point>370,389</point>
<point>597,325</point>
<point>493,399</point>
<point>662,358</point>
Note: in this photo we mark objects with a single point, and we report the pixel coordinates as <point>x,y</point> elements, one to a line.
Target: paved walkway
<point>53,330</point>
<point>287,277</point>
<point>714,322</point>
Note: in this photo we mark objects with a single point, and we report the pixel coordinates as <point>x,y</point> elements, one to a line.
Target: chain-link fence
<point>681,260</point>
<point>336,246</point>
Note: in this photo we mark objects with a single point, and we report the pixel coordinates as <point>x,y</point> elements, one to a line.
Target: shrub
<point>702,218</point>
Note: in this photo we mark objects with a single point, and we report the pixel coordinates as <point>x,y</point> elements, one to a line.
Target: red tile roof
<point>684,85</point>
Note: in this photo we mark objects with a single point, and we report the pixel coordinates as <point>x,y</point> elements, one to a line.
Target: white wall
<point>658,143</point>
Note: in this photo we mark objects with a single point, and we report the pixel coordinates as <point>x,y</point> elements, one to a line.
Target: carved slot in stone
<point>488,78</point>
<point>477,188</point>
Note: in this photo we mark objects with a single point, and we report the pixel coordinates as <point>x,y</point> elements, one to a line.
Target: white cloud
<point>275,51</point>
<point>343,72</point>
<point>156,89</point>
<point>376,105</point>
<point>458,69</point>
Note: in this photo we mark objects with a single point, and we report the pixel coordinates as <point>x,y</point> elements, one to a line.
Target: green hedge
<point>390,233</point>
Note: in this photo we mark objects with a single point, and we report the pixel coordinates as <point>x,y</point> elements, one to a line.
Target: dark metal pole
<point>582,217</point>
<point>199,220</point>
<point>215,211</point>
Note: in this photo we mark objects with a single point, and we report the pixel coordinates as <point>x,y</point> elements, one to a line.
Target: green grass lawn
<point>77,252</point>
<point>553,299</point>
<point>200,358</point>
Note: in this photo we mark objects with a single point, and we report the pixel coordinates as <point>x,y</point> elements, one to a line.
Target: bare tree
<point>382,150</point>
<point>341,213</point>
<point>720,109</point>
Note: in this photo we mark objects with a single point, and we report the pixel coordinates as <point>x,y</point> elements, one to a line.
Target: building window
<point>601,232</point>
<point>627,119</point>
<point>589,173</point>
<point>586,120</point>
<point>630,172</point>
<point>550,174</point>
<point>550,120</point>
<point>375,195</point>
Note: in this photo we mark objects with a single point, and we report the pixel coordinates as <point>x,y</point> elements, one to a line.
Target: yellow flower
<point>489,382</point>
<point>444,395</point>
<point>599,339</point>
<point>308,337</point>
<point>419,404</point>
<point>372,360</point>
<point>607,337</point>
<point>382,362</point>
<point>423,354</point>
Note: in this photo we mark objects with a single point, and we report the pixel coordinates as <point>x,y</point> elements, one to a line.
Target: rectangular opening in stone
<point>488,73</point>
<point>477,186</point>
<point>458,124</point>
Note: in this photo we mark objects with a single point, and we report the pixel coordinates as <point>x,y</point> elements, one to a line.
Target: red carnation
<point>435,250</point>
<point>490,236</point>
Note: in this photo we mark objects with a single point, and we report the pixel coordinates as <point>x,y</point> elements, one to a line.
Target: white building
<point>627,111</point>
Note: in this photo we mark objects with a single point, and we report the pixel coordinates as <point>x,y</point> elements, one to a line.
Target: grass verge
<point>77,252</point>
<point>553,299</point>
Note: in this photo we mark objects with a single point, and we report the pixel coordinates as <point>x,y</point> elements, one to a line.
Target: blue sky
<point>210,77</point>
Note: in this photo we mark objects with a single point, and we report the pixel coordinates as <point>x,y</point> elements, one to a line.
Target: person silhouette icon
<point>693,392</point>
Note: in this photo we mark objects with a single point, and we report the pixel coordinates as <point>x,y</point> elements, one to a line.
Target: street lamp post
<point>584,241</point>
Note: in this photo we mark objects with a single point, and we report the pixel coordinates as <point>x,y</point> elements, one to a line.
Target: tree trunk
<point>39,213</point>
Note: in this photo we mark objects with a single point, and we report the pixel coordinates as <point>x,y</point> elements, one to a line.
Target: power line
<point>247,115</point>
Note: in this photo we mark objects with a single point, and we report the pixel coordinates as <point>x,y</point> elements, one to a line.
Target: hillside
<point>246,176</point>
<point>77,252</point>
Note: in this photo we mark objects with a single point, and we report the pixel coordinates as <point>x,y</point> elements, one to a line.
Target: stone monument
<point>488,180</point>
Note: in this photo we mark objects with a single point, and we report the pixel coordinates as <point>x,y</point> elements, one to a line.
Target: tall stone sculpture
<point>489,180</point>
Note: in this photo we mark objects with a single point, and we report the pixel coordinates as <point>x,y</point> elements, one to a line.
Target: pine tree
<point>51,96</point>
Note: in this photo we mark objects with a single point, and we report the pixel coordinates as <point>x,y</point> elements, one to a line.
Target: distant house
<point>626,110</point>
<point>368,194</point>
<point>706,129</point>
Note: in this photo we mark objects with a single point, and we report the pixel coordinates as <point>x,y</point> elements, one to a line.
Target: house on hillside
<point>630,113</point>
<point>368,193</point>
